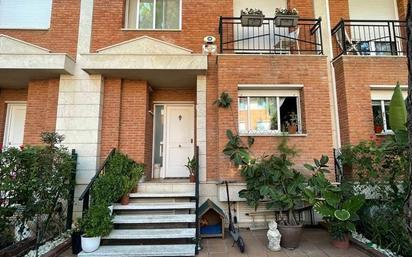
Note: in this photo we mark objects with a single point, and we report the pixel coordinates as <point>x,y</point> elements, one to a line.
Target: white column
<point>201,124</point>
<point>79,110</point>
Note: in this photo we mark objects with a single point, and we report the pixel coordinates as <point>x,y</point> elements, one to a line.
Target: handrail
<point>268,38</point>
<point>86,193</point>
<point>369,37</point>
<point>70,200</point>
<point>197,198</point>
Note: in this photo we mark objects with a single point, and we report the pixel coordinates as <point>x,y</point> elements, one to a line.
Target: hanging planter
<point>286,17</point>
<point>251,17</point>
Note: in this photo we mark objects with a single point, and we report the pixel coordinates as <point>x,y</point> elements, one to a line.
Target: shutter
<point>25,14</point>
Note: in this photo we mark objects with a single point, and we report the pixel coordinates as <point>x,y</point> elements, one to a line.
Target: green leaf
<point>342,215</point>
<point>397,110</point>
<point>324,160</point>
<point>323,209</point>
<point>309,167</point>
<point>354,203</point>
<point>332,198</point>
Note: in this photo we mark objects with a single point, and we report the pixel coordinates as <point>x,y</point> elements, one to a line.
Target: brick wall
<point>354,75</point>
<point>42,97</point>
<point>200,19</point>
<point>62,35</point>
<point>173,94</point>
<point>306,70</point>
<point>9,95</point>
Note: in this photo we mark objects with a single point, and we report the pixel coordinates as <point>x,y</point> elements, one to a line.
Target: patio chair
<point>350,46</point>
<point>285,42</point>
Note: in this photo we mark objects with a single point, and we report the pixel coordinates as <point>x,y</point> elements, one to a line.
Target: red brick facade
<point>354,76</point>
<point>41,97</point>
<point>311,72</point>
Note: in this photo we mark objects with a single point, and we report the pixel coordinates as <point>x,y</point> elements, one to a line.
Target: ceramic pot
<point>291,236</point>
<point>90,244</point>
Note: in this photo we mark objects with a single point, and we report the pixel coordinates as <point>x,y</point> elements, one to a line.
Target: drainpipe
<point>321,8</point>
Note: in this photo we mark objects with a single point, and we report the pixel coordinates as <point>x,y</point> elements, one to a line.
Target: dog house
<point>211,220</point>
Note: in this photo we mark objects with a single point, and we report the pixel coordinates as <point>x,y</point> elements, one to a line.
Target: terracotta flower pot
<point>378,129</point>
<point>292,129</point>
<point>192,178</point>
<point>291,235</point>
<point>341,244</point>
<point>124,200</point>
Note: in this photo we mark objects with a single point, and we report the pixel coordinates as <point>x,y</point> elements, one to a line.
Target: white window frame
<point>383,93</point>
<point>154,17</point>
<point>271,93</point>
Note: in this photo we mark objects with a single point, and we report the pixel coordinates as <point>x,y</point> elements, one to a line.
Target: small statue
<point>274,236</point>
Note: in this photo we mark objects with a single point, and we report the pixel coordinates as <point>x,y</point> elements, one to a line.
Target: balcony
<point>305,38</point>
<point>370,38</point>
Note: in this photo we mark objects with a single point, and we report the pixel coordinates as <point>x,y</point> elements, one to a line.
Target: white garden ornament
<point>274,236</point>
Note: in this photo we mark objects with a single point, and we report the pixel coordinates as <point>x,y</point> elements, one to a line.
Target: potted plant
<point>191,166</point>
<point>292,123</point>
<point>337,208</point>
<point>286,17</point>
<point>76,238</point>
<point>251,17</point>
<point>283,188</point>
<point>130,181</point>
<point>96,223</point>
<point>378,123</point>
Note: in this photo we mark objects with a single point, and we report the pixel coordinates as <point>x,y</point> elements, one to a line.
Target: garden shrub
<point>36,180</point>
<point>385,227</point>
<point>120,174</point>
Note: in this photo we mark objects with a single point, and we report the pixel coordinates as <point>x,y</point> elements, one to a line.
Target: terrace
<point>270,38</point>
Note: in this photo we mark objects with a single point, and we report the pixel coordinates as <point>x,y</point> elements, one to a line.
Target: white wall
<point>373,9</point>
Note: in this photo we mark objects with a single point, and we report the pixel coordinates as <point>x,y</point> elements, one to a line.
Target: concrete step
<point>171,187</point>
<point>142,250</point>
<point>163,195</point>
<point>154,206</point>
<point>154,219</point>
<point>152,233</point>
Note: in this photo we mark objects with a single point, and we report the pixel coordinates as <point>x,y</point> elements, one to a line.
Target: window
<point>153,14</point>
<point>25,14</point>
<point>381,98</point>
<point>380,110</point>
<point>268,113</point>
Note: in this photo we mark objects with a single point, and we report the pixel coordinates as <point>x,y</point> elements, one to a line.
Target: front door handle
<point>180,145</point>
<point>191,140</point>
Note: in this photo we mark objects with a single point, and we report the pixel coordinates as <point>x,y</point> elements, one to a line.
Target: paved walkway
<point>315,243</point>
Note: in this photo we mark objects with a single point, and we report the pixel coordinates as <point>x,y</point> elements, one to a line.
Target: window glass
<point>380,110</point>
<point>146,14</point>
<point>167,14</point>
<point>268,114</point>
<point>153,14</point>
<point>25,14</point>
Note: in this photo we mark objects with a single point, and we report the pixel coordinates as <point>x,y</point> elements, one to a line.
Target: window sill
<point>34,29</point>
<point>382,134</point>
<point>155,30</point>
<point>273,135</point>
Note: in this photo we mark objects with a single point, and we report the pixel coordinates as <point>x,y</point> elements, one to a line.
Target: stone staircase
<point>159,221</point>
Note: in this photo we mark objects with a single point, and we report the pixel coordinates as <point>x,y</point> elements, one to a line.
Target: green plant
<point>293,121</point>
<point>378,121</point>
<point>251,11</point>
<point>224,101</point>
<point>97,221</point>
<point>38,178</point>
<point>336,207</point>
<point>236,150</point>
<point>191,165</point>
<point>385,227</point>
<point>285,11</point>
<point>274,178</point>
<point>397,110</point>
<point>107,189</point>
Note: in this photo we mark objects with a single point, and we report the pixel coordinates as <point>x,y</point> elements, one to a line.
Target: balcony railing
<point>305,38</point>
<point>369,37</point>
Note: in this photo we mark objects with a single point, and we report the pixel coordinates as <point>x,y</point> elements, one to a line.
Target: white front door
<point>14,127</point>
<point>180,134</point>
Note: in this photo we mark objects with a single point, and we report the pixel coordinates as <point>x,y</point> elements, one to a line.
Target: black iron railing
<point>197,198</point>
<point>338,165</point>
<point>305,38</point>
<point>369,37</point>
<point>85,196</point>
<point>70,200</point>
